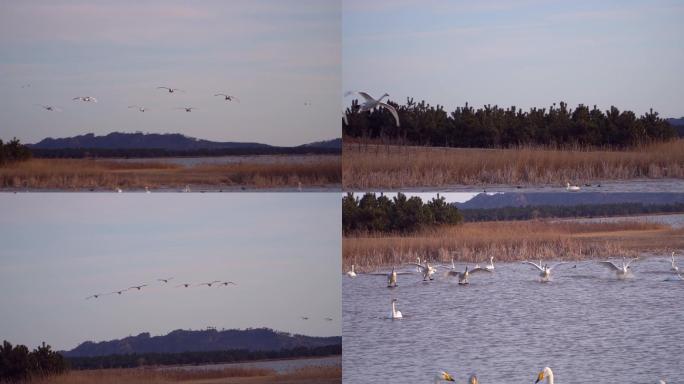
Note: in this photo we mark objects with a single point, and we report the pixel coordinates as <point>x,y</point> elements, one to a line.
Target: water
<point>632,185</point>
<point>213,160</point>
<point>280,366</point>
<point>585,324</point>
<point>675,221</point>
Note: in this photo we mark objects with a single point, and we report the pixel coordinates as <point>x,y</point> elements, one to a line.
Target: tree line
<point>18,364</point>
<point>197,357</point>
<point>13,151</point>
<point>555,211</point>
<point>82,153</point>
<point>400,214</point>
<point>496,127</point>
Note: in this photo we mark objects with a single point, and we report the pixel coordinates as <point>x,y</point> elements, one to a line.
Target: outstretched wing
<point>610,265</point>
<point>477,270</point>
<point>630,262</point>
<point>163,88</point>
<point>392,110</point>
<point>539,267</point>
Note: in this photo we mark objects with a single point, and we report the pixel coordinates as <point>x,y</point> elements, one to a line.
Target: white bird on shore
<point>171,90</point>
<point>395,314</point>
<point>545,374</point>
<point>351,273</point>
<point>545,270</point>
<point>622,271</point>
<point>674,267</point>
<point>463,276</point>
<point>426,270</point>
<point>370,103</point>
<point>228,97</point>
<point>571,188</point>
<point>187,109</point>
<point>443,376</point>
<point>141,108</point>
<point>50,108</point>
<point>490,266</point>
<point>87,99</point>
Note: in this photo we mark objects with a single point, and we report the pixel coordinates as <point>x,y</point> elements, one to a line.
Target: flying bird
<point>426,270</point>
<point>209,284</point>
<point>622,271</point>
<point>370,103</point>
<point>50,108</point>
<point>305,318</point>
<point>119,292</point>
<point>225,283</point>
<point>165,280</point>
<point>171,90</point>
<point>391,277</point>
<point>183,285</point>
<point>140,108</point>
<point>138,287</point>
<point>328,319</point>
<point>545,270</point>
<point>87,99</point>
<point>463,276</point>
<point>228,97</point>
<point>187,109</point>
<point>95,296</point>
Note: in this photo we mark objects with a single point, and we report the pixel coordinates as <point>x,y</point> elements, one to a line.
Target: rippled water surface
<point>505,326</point>
<point>280,366</point>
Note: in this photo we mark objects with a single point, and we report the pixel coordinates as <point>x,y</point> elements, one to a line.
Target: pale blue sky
<point>272,54</point>
<point>524,53</point>
<point>283,250</point>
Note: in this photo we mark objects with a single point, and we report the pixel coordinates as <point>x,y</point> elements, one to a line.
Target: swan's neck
<point>394,310</point>
<point>352,268</point>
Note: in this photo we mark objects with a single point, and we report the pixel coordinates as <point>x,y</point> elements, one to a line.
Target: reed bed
<point>376,166</point>
<point>510,241</point>
<point>228,375</point>
<point>79,174</point>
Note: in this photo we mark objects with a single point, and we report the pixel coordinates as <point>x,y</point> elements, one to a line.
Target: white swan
<point>490,266</point>
<point>50,108</point>
<point>571,188</point>
<point>545,374</point>
<point>463,276</point>
<point>187,188</point>
<point>147,189</point>
<point>141,108</point>
<point>118,190</point>
<point>545,270</point>
<point>622,271</point>
<point>371,103</point>
<point>391,276</point>
<point>674,267</point>
<point>351,273</point>
<point>443,376</point>
<point>171,90</point>
<point>426,270</point>
<point>87,99</point>
<point>187,109</point>
<point>395,314</point>
<point>228,97</point>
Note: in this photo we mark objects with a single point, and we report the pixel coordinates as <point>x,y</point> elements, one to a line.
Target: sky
<point>282,249</point>
<point>528,53</point>
<point>274,55</point>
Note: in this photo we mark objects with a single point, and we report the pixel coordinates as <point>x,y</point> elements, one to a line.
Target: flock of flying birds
<point>427,270</point>
<point>164,281</point>
<point>141,108</point>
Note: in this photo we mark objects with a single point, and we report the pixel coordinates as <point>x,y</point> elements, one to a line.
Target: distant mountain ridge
<point>253,339</point>
<point>165,141</point>
<point>523,199</point>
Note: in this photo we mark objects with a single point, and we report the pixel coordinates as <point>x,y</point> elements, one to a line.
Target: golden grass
<point>227,375</point>
<point>79,174</point>
<point>377,166</point>
<point>511,241</point>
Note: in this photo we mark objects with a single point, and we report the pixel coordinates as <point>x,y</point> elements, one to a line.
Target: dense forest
<point>496,127</point>
<point>13,151</point>
<point>200,357</point>
<point>17,364</point>
<point>373,213</point>
<point>550,211</point>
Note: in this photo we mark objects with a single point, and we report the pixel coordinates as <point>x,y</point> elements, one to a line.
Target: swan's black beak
<point>540,377</point>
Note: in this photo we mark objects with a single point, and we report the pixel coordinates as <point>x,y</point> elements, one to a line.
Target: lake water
<point>506,326</point>
<point>252,159</point>
<point>633,185</point>
<point>280,366</point>
<point>675,221</point>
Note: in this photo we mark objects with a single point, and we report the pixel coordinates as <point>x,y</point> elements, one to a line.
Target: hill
<point>259,339</point>
<point>512,199</point>
<point>678,124</point>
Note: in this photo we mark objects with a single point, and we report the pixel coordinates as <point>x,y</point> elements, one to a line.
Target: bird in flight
<point>187,109</point>
<point>165,280</point>
<point>50,108</point>
<point>141,108</point>
<point>209,284</point>
<point>228,97</point>
<point>94,296</point>
<point>185,285</point>
<point>328,319</point>
<point>370,103</point>
<point>305,318</point>
<point>119,292</point>
<point>138,287</point>
<point>171,90</point>
<point>225,283</point>
<point>88,99</point>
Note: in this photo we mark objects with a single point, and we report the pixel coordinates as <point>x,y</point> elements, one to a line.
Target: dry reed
<point>510,241</point>
<point>77,174</point>
<point>377,166</point>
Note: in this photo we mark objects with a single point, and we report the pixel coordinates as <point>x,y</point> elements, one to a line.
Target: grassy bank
<point>511,241</point>
<point>78,174</point>
<point>377,166</point>
<point>229,375</point>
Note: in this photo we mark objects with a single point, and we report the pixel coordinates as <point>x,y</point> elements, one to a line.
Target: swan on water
<point>351,273</point>
<point>395,314</point>
<point>391,277</point>
<point>87,99</point>
<point>426,270</point>
<point>544,270</point>
<point>545,374</point>
<point>490,266</point>
<point>571,188</point>
<point>443,376</point>
<point>674,267</point>
<point>118,190</point>
<point>622,271</point>
<point>463,276</point>
<point>147,189</point>
<point>370,103</point>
